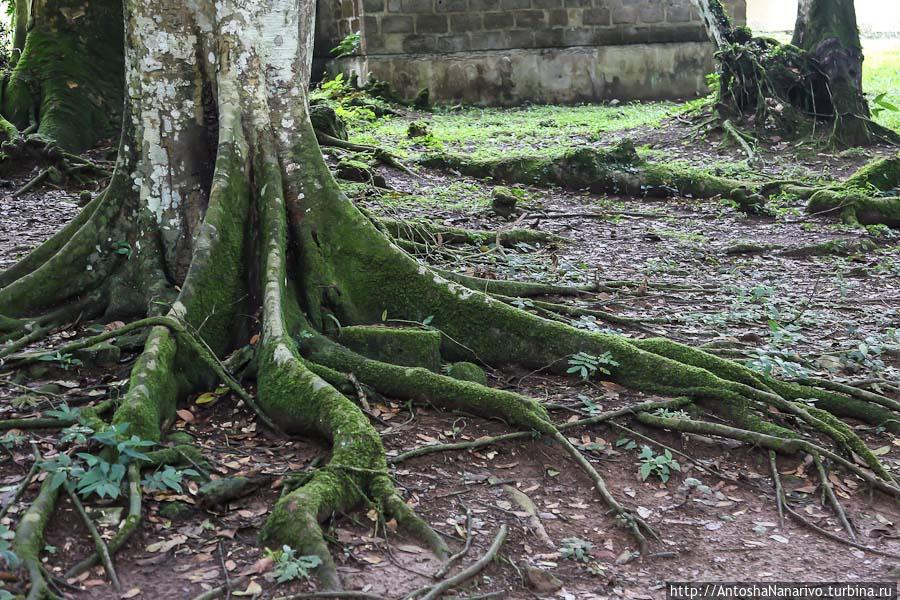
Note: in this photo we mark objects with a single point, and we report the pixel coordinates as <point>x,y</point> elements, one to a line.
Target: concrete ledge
<point>546,75</point>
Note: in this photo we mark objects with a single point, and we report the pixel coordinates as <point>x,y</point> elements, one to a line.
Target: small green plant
<point>63,412</point>
<point>289,567</point>
<point>666,413</point>
<point>101,478</point>
<point>588,365</point>
<point>76,434</point>
<point>523,303</point>
<point>348,46</point>
<point>576,549</point>
<point>122,247</point>
<point>660,465</point>
<point>627,443</point>
<point>11,439</point>
<point>91,474</point>
<point>589,406</point>
<point>7,556</point>
<point>169,478</point>
<point>770,361</point>
<point>66,361</point>
<point>881,105</point>
<point>588,322</point>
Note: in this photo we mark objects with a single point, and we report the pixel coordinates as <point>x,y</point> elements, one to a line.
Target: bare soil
<point>830,303</point>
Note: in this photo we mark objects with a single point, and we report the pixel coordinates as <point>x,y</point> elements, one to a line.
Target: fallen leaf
<point>253,589</point>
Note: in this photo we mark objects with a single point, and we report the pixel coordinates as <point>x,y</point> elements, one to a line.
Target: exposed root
<point>553,309</point>
<point>617,170</point>
<point>812,526</point>
<point>779,444</point>
<point>516,289</point>
<point>451,562</point>
<point>867,197</point>
<point>520,435</point>
<point>29,540</point>
<point>380,154</point>
<point>417,383</point>
<point>425,232</point>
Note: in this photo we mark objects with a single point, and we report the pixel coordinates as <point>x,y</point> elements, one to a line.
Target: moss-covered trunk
<point>827,30</point>
<point>68,79</point>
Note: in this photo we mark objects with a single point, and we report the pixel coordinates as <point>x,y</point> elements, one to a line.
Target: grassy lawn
<point>487,132</point>
<point>881,74</point>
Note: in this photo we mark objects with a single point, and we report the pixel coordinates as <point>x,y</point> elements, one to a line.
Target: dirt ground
<point>832,315</point>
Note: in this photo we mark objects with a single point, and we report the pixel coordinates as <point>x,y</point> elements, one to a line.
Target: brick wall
<point>513,51</point>
<point>439,26</point>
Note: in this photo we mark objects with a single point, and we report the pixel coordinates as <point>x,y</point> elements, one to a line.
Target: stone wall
<point>511,51</point>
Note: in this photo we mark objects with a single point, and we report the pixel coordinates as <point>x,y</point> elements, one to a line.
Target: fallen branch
<point>101,547</point>
<point>466,574</point>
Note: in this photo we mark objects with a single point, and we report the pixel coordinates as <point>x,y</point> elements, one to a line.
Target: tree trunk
<point>234,226</point>
<point>827,30</point>
<point>67,77</point>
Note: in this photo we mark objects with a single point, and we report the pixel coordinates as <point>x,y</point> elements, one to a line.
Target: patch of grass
<point>483,133</point>
<point>881,74</point>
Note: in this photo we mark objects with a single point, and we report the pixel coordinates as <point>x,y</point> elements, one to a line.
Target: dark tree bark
<point>818,76</point>
<point>827,30</point>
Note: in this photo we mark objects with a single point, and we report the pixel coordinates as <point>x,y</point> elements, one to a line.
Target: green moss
<point>466,371</point>
<point>426,232</point>
<point>29,541</point>
<point>71,73</point>
<point>153,388</point>
<point>616,170</point>
<point>856,206</point>
<point>408,347</point>
<point>215,285</point>
<point>495,133</point>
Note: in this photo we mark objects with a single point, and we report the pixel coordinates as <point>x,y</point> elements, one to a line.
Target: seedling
<point>289,567</point>
<point>576,549</point>
<point>587,365</point>
<point>660,465</point>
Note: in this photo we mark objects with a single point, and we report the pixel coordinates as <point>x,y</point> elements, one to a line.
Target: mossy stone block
<point>407,347</point>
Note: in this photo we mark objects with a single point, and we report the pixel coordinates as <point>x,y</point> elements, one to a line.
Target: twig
<point>779,493</point>
<point>224,571</point>
<point>24,483</point>
<point>832,499</point>
<point>488,441</point>
<point>125,532</point>
<point>466,574</point>
<point>442,572</point>
<point>99,544</point>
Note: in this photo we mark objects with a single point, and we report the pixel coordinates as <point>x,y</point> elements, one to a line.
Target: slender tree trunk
<point>67,78</point>
<point>20,29</point>
<point>827,30</point>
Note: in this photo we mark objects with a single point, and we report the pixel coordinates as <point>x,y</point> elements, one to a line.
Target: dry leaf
<point>253,589</point>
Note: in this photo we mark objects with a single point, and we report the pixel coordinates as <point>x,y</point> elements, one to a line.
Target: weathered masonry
<point>505,52</point>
